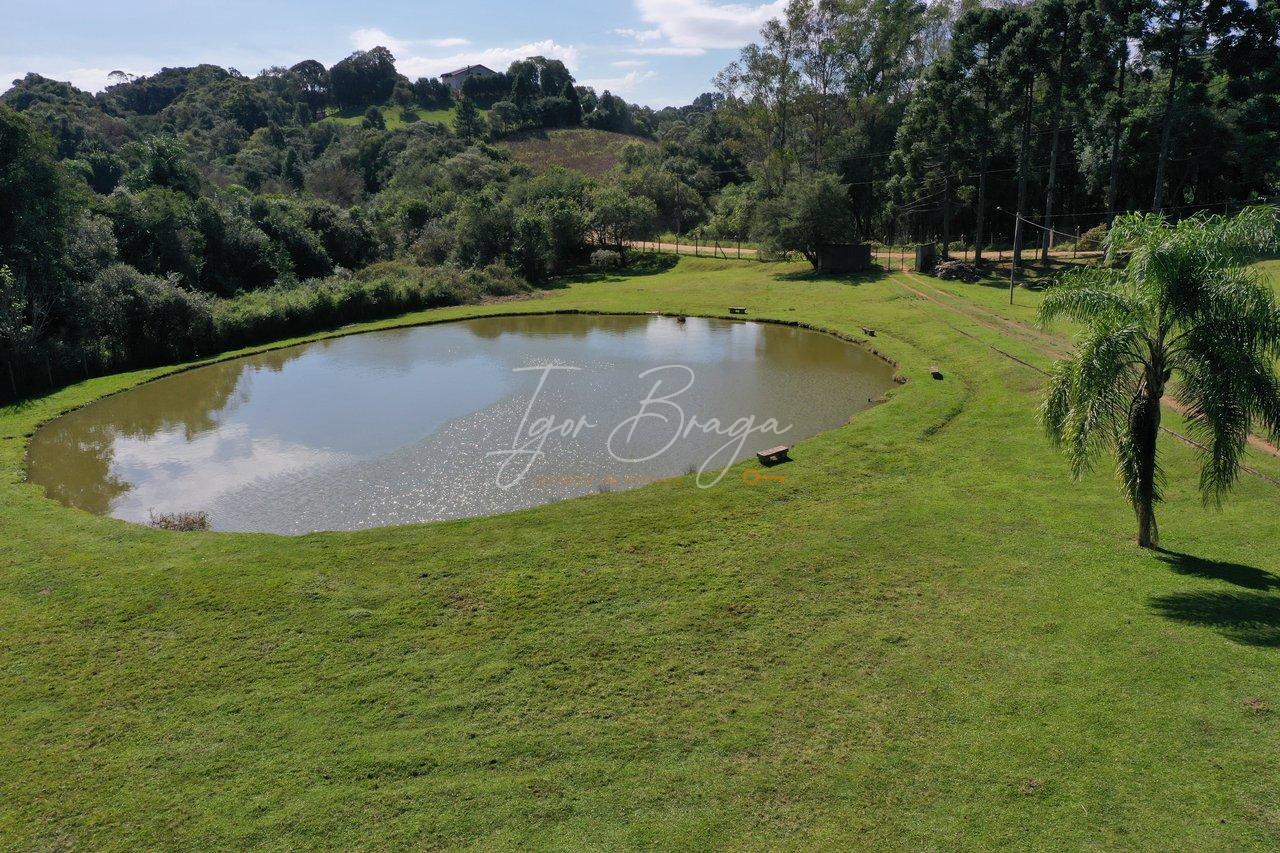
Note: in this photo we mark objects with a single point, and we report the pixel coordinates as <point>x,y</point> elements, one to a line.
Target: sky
<point>654,52</point>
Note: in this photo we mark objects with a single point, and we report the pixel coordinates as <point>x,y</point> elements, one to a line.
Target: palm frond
<point>1089,395</point>
<point>1085,296</point>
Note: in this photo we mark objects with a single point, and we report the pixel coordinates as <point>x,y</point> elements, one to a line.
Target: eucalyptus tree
<point>1109,44</point>
<point>979,39</point>
<point>761,87</point>
<point>1019,67</point>
<point>1179,32</point>
<point>1060,23</point>
<point>821,64</point>
<point>1186,316</point>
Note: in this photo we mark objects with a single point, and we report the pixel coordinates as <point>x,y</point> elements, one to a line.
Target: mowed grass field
<point>927,636</point>
<point>396,118</point>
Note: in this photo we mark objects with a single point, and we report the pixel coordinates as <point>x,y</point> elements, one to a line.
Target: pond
<point>451,420</point>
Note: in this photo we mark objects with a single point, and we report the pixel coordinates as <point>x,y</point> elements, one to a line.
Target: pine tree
<point>467,123</point>
<point>292,170</point>
<point>570,94</point>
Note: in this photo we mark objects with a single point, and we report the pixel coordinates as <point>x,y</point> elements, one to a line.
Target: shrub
<point>184,522</point>
<point>1092,240</point>
<point>381,290</point>
<point>605,260</point>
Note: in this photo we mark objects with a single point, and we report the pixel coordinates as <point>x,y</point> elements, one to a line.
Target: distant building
<point>455,79</point>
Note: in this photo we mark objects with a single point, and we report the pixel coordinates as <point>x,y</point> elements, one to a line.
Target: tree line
<point>135,221</point>
<point>195,189</point>
<point>993,121</point>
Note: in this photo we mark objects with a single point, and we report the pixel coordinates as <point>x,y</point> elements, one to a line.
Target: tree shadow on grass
<point>866,277</point>
<point>1239,574</point>
<point>1251,618</point>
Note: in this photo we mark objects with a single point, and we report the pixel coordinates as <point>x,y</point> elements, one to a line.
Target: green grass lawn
<point>928,636</point>
<point>396,118</point>
<point>1271,268</point>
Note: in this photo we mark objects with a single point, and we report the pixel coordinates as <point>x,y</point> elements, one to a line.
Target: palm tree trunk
<point>1146,430</point>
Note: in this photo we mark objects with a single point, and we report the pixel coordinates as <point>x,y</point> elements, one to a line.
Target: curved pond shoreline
<point>462,315</point>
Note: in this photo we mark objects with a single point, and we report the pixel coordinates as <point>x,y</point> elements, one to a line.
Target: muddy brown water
<point>458,419</point>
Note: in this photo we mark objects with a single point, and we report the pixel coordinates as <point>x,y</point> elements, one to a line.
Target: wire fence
<point>887,257</point>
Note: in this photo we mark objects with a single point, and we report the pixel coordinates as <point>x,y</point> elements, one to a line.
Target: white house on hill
<point>456,78</point>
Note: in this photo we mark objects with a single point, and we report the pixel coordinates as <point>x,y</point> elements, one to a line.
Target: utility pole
<point>1113,183</point>
<point>1023,165</point>
<point>946,216</point>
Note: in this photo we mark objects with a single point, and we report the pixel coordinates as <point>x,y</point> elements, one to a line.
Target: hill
<point>593,152</point>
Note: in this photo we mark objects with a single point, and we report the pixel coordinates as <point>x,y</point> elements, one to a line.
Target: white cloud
<point>413,62</point>
<point>621,85</point>
<point>369,38</point>
<point>638,35</point>
<point>666,51</point>
<point>94,79</point>
<point>497,58</point>
<point>87,79</point>
<point>707,24</point>
<point>630,63</point>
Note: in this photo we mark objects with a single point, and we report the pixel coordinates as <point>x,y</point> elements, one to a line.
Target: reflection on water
<point>397,426</point>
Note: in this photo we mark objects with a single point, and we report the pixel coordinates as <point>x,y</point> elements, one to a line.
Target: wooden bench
<point>736,309</point>
<point>774,455</point>
<point>935,372</point>
<point>870,333</point>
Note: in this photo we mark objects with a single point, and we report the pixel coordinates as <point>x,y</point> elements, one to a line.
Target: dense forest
<point>178,214</point>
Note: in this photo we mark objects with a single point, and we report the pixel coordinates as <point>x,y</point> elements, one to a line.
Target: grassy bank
<point>927,635</point>
<point>592,152</point>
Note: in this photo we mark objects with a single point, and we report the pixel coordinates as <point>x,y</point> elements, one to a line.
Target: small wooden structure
<point>774,456</point>
<point>935,372</point>
<point>926,257</point>
<point>737,309</point>
<point>870,333</point>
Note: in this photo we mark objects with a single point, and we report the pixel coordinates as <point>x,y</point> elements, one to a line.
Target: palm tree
<point>1184,314</point>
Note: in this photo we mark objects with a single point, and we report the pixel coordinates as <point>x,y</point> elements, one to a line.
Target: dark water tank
<point>846,257</point>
